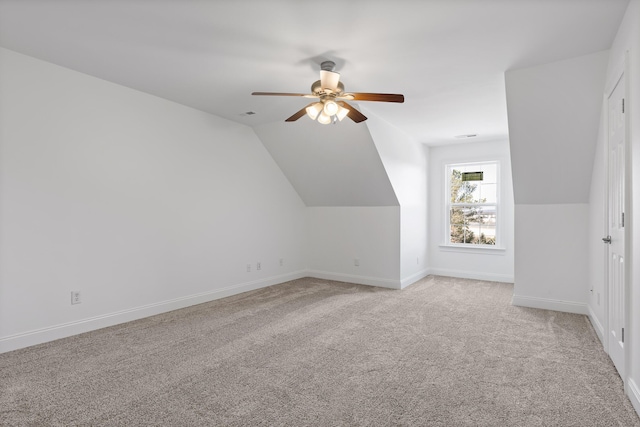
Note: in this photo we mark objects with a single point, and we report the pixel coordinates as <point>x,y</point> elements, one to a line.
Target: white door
<point>615,220</point>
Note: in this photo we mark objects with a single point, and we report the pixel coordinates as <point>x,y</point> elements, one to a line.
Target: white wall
<point>626,43</point>
<point>414,244</point>
<point>554,113</point>
<point>552,257</point>
<point>486,265</point>
<point>406,162</point>
<point>337,236</point>
<point>141,204</point>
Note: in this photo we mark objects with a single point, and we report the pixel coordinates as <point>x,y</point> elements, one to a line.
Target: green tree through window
<point>473,205</point>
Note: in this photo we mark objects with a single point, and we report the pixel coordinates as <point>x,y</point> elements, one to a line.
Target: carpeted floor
<point>443,352</point>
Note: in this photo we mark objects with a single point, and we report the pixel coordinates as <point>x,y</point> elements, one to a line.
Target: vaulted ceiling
<point>554,119</point>
<point>329,165</point>
<point>448,57</point>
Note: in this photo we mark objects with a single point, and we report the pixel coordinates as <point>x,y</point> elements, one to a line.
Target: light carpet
<point>443,352</point>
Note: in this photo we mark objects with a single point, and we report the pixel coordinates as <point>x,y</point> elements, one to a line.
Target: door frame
<point>621,72</point>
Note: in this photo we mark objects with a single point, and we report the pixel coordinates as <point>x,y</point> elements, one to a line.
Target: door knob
<point>607,239</point>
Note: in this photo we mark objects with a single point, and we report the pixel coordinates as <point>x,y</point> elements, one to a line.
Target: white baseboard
<point>39,336</point>
<point>360,280</point>
<point>633,392</point>
<point>414,278</point>
<point>550,304</point>
<point>596,324</point>
<point>491,277</point>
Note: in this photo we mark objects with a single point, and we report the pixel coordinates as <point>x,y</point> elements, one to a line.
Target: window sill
<point>477,249</point>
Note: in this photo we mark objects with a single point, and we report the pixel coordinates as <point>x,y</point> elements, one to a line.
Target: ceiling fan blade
<point>353,114</point>
<point>306,95</point>
<point>381,97</point>
<point>298,114</point>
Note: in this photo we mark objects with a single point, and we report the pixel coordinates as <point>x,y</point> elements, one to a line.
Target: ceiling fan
<point>331,106</point>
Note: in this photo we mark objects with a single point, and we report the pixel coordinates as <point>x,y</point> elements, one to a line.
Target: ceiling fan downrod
<point>327,65</point>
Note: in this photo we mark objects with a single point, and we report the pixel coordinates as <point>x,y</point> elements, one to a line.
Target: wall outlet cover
<point>76,297</point>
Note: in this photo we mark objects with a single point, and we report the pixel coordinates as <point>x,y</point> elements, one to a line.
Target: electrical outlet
<point>356,262</point>
<point>76,297</point>
<point>281,262</point>
<point>248,268</point>
<point>258,266</point>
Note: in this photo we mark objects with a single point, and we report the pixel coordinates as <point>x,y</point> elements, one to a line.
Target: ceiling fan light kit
<point>331,107</point>
<point>314,110</point>
<point>326,111</point>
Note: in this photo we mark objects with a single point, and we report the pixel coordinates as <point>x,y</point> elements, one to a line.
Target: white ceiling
<point>448,57</point>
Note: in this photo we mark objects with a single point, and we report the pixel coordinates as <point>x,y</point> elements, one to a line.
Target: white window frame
<point>472,247</point>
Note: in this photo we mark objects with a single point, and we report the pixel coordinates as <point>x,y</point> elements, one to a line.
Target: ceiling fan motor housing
<point>316,88</point>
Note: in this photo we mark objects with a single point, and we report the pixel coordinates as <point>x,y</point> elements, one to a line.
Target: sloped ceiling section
<point>329,165</point>
<point>404,160</point>
<point>554,114</point>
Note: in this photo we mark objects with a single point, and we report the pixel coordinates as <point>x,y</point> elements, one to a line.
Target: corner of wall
<point>595,322</point>
<point>550,304</point>
<point>416,277</point>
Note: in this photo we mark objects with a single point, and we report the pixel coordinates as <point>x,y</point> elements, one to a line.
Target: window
<point>472,204</point>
